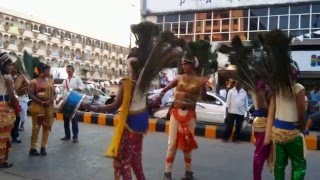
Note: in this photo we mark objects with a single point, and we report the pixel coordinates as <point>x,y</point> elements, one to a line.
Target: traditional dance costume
<point>182,120</point>
<point>261,152</point>
<point>7,118</point>
<point>289,142</point>
<point>41,115</point>
<point>126,145</point>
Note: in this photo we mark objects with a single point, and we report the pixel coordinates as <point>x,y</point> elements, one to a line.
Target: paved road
<point>85,160</point>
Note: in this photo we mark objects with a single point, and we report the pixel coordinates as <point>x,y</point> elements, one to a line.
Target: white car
<point>103,97</point>
<point>211,111</point>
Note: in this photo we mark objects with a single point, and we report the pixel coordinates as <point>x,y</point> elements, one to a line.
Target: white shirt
<point>69,84</point>
<point>223,93</point>
<point>237,101</point>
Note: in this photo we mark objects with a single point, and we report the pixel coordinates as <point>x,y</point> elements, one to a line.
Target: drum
<point>71,104</point>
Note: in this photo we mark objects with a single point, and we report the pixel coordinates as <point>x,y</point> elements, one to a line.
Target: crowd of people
<point>280,113</point>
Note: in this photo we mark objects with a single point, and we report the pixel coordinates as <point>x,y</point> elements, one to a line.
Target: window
<point>263,23</point>
<point>300,9</point>
<point>225,25</point>
<point>207,26</point>
<point>186,17</point>
<point>294,22</point>
<point>279,10</point>
<point>175,28</point>
<point>315,23</point>
<point>190,27</point>
<point>172,18</point>
<point>253,24</point>
<point>305,21</point>
<point>183,28</point>
<point>283,22</point>
<point>221,14</point>
<point>259,12</point>
<point>239,13</point>
<point>316,8</point>
<point>243,24</point>
<point>273,22</point>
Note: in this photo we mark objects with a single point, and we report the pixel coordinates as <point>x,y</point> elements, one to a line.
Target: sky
<point>102,19</point>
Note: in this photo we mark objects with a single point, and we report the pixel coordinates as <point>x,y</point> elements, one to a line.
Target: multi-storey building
<point>58,47</point>
<point>220,20</point>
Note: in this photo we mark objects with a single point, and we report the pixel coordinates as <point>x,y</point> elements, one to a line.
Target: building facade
<point>220,20</point>
<point>91,58</point>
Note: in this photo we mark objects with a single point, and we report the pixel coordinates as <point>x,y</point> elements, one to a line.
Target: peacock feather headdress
<point>31,65</point>
<point>201,49</point>
<point>155,51</point>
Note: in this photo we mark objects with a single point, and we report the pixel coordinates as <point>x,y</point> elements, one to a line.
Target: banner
<point>162,6</point>
<point>307,60</point>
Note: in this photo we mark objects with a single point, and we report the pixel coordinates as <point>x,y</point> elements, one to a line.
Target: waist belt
<point>260,113</point>
<point>284,125</point>
<point>4,98</point>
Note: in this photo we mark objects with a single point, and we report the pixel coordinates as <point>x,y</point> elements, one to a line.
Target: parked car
<point>99,96</point>
<point>212,111</point>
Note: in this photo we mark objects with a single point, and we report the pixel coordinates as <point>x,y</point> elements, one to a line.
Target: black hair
<point>42,67</point>
<point>70,66</point>
<point>3,67</point>
<point>135,65</point>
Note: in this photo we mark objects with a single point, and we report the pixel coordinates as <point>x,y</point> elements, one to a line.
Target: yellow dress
<point>113,149</point>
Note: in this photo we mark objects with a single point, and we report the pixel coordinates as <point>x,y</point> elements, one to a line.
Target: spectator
<point>237,103</point>
<point>164,80</point>
<point>223,92</point>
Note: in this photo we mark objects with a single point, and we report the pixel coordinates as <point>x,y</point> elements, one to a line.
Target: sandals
<point>6,165</point>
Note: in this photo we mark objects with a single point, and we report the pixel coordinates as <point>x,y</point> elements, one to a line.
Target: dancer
<point>41,91</point>
<point>143,64</point>
<point>9,106</point>
<point>188,86</point>
<point>286,117</point>
<point>261,98</point>
<point>21,84</point>
<point>252,70</point>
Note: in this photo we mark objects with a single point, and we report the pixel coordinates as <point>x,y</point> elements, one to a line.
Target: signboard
<point>163,6</point>
<point>307,60</point>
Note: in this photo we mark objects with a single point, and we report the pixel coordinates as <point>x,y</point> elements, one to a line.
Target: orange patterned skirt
<point>7,118</point>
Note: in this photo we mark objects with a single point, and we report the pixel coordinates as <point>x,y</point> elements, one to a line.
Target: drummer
<point>71,83</point>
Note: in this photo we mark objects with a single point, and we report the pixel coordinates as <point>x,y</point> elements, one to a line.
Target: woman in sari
<point>41,91</point>
<point>8,105</point>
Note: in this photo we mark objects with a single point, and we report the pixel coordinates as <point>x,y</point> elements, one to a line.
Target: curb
<point>160,125</point>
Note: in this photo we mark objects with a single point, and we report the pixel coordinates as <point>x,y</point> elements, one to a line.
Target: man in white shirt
<point>71,83</point>
<point>237,103</point>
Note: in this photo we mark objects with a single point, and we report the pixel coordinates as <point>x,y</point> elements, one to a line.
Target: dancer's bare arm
<point>301,109</point>
<point>271,116</point>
